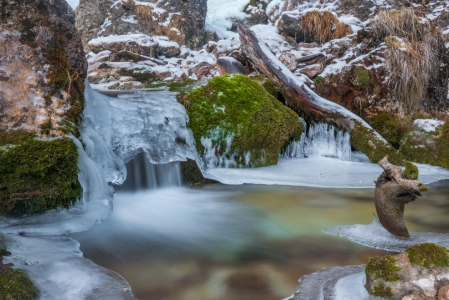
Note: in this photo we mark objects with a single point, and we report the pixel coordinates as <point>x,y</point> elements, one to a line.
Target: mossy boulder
<point>421,271</point>
<point>427,147</point>
<point>369,142</point>
<point>238,109</point>
<point>16,285</point>
<point>35,175</point>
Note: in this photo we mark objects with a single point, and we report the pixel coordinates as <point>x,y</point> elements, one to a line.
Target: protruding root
<point>393,191</point>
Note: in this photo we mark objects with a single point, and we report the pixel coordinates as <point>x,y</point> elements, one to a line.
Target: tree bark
<point>392,192</point>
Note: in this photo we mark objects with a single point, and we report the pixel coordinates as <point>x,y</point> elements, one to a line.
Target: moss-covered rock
<point>36,176</point>
<point>239,109</point>
<point>411,171</point>
<point>191,174</point>
<point>428,255</point>
<point>383,267</point>
<point>366,140</point>
<point>16,285</point>
<point>427,147</point>
<point>392,128</point>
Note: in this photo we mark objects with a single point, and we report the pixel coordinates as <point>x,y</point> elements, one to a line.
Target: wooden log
<point>297,98</point>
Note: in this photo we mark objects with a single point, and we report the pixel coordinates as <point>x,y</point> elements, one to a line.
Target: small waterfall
<point>143,175</point>
<point>322,140</point>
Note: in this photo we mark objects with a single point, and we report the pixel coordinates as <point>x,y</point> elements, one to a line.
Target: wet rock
<point>3,76</point>
<point>229,65</point>
<point>421,272</point>
<point>289,60</point>
<point>42,57</point>
<point>181,21</point>
<point>443,293</point>
<point>313,70</point>
<point>311,59</point>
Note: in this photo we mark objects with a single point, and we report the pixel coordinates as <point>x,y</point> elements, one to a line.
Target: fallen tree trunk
<point>311,59</point>
<point>309,105</point>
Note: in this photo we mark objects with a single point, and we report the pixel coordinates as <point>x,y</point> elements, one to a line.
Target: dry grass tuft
<point>324,26</point>
<point>412,56</point>
<point>144,14</point>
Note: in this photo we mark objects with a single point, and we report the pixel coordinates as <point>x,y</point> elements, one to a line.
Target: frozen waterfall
<point>321,140</point>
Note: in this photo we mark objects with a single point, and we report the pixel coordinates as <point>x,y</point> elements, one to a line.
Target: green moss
<point>3,251</point>
<point>334,79</point>
<point>366,140</point>
<point>16,285</point>
<point>191,174</point>
<point>411,171</point>
<point>240,107</point>
<point>428,255</point>
<point>36,176</point>
<point>319,81</point>
<point>391,128</point>
<point>384,268</point>
<point>364,77</point>
<point>46,127</point>
<point>381,291</point>
<point>14,136</point>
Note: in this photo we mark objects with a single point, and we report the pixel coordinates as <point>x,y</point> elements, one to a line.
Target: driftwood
<point>392,192</point>
<point>295,95</point>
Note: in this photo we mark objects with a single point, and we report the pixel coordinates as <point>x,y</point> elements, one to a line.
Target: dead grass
<point>412,55</point>
<point>324,26</point>
<point>144,14</point>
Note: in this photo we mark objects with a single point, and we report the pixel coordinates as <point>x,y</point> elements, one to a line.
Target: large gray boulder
<point>183,22</point>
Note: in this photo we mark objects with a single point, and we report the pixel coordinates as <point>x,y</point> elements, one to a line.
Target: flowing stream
<point>249,237</point>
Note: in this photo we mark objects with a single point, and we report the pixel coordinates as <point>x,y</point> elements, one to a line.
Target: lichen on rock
<point>235,116</point>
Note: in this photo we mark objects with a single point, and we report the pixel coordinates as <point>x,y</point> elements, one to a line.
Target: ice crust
<point>375,236</point>
<point>338,283</point>
<point>316,171</point>
<point>220,12</point>
<point>58,270</point>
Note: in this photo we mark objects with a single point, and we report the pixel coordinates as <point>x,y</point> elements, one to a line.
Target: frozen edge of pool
<point>316,171</point>
<point>336,283</point>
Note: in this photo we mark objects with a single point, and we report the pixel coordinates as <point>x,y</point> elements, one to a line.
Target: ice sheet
<point>317,171</point>
<point>57,268</point>
<point>338,283</point>
<point>375,236</point>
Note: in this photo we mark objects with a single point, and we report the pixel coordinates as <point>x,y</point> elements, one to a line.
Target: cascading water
<point>143,175</point>
<point>321,140</point>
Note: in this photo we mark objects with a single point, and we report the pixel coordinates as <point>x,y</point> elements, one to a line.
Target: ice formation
<point>219,14</point>
<point>322,140</point>
<point>338,283</point>
<point>153,123</point>
<point>57,268</point>
<point>375,236</point>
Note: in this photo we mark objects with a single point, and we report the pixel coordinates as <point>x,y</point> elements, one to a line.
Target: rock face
<point>422,272</point>
<point>229,65</point>
<point>43,68</point>
<point>236,123</point>
<point>181,21</point>
<point>289,60</point>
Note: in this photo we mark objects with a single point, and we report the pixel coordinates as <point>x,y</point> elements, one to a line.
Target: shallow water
<point>239,242</point>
